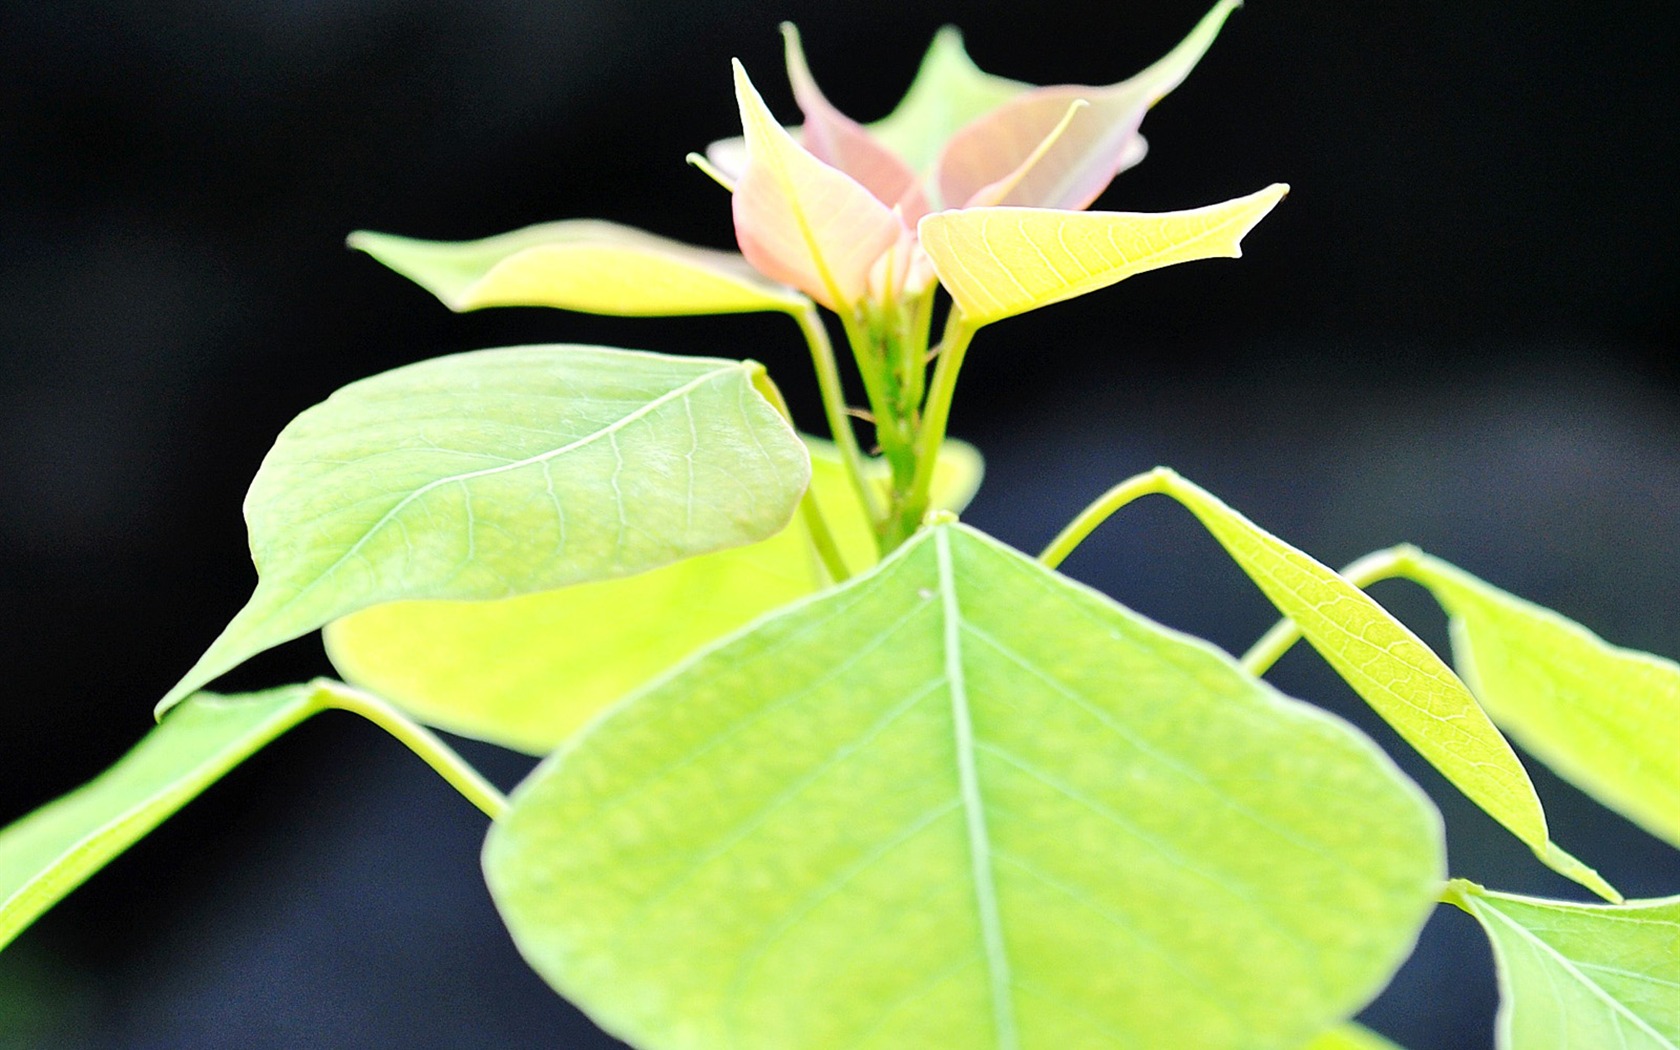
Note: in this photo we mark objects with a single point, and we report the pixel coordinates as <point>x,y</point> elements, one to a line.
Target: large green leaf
<point>596,267</point>
<point>55,849</point>
<point>963,802</point>
<point>504,472</point>
<point>1582,975</point>
<point>1606,718</point>
<point>1393,670</point>
<point>526,672</point>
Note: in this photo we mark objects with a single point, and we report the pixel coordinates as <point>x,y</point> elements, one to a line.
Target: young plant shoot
<point>828,768</point>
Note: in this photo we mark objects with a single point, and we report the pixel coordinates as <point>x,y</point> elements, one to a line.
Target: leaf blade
<point>441,479</point>
<point>1582,974</point>
<point>585,265</point>
<point>794,849</point>
<point>948,91</point>
<point>999,262</point>
<point>50,852</point>
<point>526,672</point>
<point>1393,671</point>
<point>1606,718</point>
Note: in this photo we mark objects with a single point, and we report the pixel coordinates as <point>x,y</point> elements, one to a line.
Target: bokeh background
<point>1460,330</point>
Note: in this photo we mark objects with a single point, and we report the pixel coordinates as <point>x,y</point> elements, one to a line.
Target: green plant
<point>829,768</point>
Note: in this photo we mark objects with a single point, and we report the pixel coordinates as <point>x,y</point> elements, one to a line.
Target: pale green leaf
<point>1350,1037</point>
<point>503,472</point>
<point>526,672</point>
<point>1584,976</point>
<point>949,91</point>
<point>998,262</point>
<point>56,848</point>
<point>1606,718</point>
<point>1393,671</point>
<point>1082,158</point>
<point>963,802</point>
<point>800,221</point>
<point>595,267</point>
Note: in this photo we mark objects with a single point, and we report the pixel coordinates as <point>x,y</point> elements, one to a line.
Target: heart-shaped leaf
<point>586,265</point>
<point>963,802</point>
<point>1606,718</point>
<point>504,472</point>
<point>1393,671</point>
<point>801,221</point>
<point>56,848</point>
<point>1099,143</point>
<point>1582,975</point>
<point>526,672</point>
<point>998,262</point>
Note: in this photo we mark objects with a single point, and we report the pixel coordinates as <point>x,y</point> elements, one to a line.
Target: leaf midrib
<point>974,807</point>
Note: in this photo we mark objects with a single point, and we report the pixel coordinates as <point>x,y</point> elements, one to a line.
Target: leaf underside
<point>1583,975</point>
<point>963,802</point>
<point>503,472</point>
<point>526,672</point>
<point>56,848</point>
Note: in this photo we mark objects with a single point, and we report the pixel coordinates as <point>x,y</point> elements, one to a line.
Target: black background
<point>1460,329</point>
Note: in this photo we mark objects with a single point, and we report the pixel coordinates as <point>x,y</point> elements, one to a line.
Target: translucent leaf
<point>595,267</point>
<point>1101,141</point>
<point>800,221</point>
<point>1350,1037</point>
<point>949,91</point>
<point>837,140</point>
<point>504,472</point>
<point>56,848</point>
<point>963,802</point>
<point>998,262</point>
<point>1395,672</point>
<point>1604,717</point>
<point>1582,975</point>
<point>526,672</point>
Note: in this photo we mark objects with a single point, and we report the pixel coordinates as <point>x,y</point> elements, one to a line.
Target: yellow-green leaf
<point>949,91</point>
<point>1350,1037</point>
<point>587,265</point>
<point>56,848</point>
<point>1581,976</point>
<point>1606,718</point>
<point>526,672</point>
<point>1402,679</point>
<point>998,262</point>
<point>800,221</point>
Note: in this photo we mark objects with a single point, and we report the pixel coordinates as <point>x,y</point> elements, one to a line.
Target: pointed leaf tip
<point>998,262</point>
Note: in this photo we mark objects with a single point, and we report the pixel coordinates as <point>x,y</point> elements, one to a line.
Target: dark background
<point>1460,329</point>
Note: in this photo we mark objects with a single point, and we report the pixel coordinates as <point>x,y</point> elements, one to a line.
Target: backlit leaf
<point>526,672</point>
<point>1393,671</point>
<point>965,803</point>
<point>504,472</point>
<point>56,848</point>
<point>948,92</point>
<point>998,262</point>
<point>1100,142</point>
<point>800,221</point>
<point>595,267</point>
<point>1582,975</point>
<point>1606,718</point>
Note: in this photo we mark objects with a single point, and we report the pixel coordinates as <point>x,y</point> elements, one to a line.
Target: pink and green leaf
<point>800,221</point>
<point>1098,143</point>
<point>948,92</point>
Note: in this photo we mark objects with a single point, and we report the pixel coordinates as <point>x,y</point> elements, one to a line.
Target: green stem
<point>816,526</point>
<point>420,740</point>
<point>1145,484</point>
<point>834,404</point>
<point>1373,567</point>
<point>936,415</point>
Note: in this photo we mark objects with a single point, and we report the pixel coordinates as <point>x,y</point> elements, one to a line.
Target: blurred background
<point>1460,330</point>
